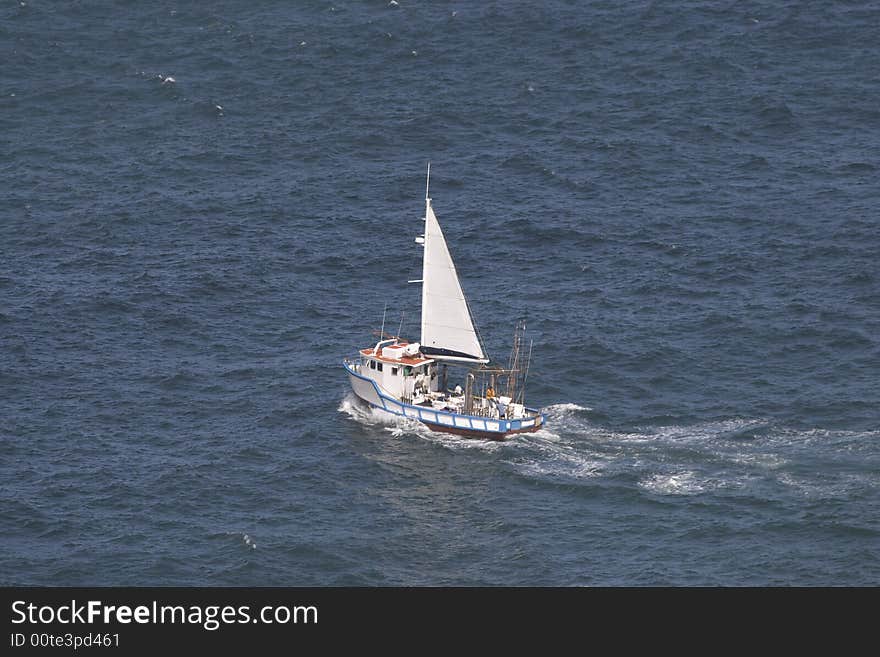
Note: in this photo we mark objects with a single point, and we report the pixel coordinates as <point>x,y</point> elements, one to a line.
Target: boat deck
<point>446,419</point>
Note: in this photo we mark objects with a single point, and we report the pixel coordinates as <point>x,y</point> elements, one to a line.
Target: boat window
<point>379,366</point>
<point>372,364</point>
<point>393,371</point>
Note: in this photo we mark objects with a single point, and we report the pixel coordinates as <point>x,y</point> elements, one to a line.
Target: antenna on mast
<point>428,183</point>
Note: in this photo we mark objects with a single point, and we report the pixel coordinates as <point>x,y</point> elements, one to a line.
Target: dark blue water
<point>680,198</point>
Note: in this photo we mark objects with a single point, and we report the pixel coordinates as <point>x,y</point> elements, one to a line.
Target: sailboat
<point>411,379</point>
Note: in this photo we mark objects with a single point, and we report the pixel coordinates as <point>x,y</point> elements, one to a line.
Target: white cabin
<point>400,369</point>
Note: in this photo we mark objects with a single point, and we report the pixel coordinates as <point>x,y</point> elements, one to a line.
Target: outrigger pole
<point>382,330</point>
<point>522,392</point>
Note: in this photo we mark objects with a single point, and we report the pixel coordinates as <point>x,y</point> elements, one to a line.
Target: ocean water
<point>206,206</point>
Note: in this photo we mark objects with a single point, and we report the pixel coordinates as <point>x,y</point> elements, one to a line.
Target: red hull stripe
<point>473,433</point>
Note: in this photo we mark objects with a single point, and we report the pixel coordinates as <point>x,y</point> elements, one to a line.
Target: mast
<point>427,187</point>
<point>425,252</point>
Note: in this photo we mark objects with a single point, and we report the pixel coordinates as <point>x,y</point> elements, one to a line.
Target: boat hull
<point>471,426</point>
<point>476,433</point>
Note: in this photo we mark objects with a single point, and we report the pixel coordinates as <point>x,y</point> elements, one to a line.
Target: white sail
<point>447,327</point>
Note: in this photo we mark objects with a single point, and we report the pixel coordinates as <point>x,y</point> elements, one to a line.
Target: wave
<point>238,537</point>
<point>679,483</point>
<point>564,409</point>
<point>732,456</point>
<point>400,427</point>
<point>369,415</point>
